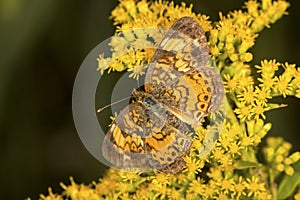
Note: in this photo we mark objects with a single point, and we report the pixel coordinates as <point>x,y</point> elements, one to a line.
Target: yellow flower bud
<point>229,48</point>
<point>279,159</point>
<point>143,7</point>
<point>280,167</point>
<point>245,45</point>
<point>295,157</point>
<point>234,57</point>
<point>246,57</point>
<point>288,161</point>
<point>222,35</point>
<point>289,170</point>
<point>214,51</point>
<point>213,39</point>
<point>220,45</point>
<point>229,38</point>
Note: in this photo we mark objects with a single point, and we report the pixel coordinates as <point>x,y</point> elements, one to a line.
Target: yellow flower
<point>105,186</point>
<point>218,153</point>
<point>117,65</point>
<point>230,84</point>
<point>282,86</point>
<point>264,196</point>
<point>137,71</point>
<point>268,68</point>
<point>279,167</point>
<point>130,176</point>
<point>246,141</point>
<point>103,63</point>
<point>175,194</point>
<point>130,7</point>
<point>196,187</point>
<point>252,7</point>
<point>161,179</point>
<point>277,10</point>
<point>141,193</point>
<point>143,6</point>
<point>215,173</point>
<point>193,165</point>
<point>289,170</point>
<point>295,157</point>
<point>239,188</point>
<point>246,57</point>
<point>222,196</point>
<point>258,110</point>
<point>120,43</point>
<point>267,83</point>
<point>227,185</point>
<point>179,178</point>
<point>262,95</point>
<point>254,186</point>
<point>120,15</point>
<point>244,80</point>
<point>224,142</point>
<point>197,143</point>
<point>261,21</point>
<point>210,189</point>
<point>244,111</point>
<point>234,148</point>
<point>226,162</point>
<point>123,188</point>
<point>297,196</point>
<point>51,196</point>
<point>248,95</point>
<point>289,71</point>
<point>79,191</point>
<point>161,192</point>
<point>112,196</point>
<point>296,80</point>
<point>71,190</point>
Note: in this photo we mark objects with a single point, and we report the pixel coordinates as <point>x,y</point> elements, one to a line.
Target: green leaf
<point>289,183</point>
<point>241,164</point>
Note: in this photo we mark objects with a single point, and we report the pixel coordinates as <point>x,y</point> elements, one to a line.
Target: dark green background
<point>42,46</point>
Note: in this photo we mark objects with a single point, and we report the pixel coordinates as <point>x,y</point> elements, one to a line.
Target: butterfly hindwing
<point>123,145</point>
<point>143,138</point>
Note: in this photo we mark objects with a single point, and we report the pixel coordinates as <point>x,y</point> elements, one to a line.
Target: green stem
<point>273,185</point>
<point>230,115</point>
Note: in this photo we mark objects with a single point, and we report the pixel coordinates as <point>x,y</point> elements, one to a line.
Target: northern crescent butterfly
<point>156,130</point>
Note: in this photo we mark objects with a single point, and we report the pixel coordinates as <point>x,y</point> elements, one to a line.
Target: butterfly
<point>155,131</point>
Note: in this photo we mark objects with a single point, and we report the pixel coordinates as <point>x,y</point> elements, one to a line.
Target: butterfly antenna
<point>100,109</point>
<point>137,83</point>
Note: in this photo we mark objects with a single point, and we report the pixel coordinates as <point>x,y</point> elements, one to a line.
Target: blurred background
<point>42,45</point>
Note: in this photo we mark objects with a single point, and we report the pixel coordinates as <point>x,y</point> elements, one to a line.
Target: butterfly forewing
<point>181,63</point>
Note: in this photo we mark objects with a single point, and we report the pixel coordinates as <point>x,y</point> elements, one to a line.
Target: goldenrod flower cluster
<point>233,169</point>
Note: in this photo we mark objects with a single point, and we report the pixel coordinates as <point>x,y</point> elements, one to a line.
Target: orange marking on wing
<point>159,144</point>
